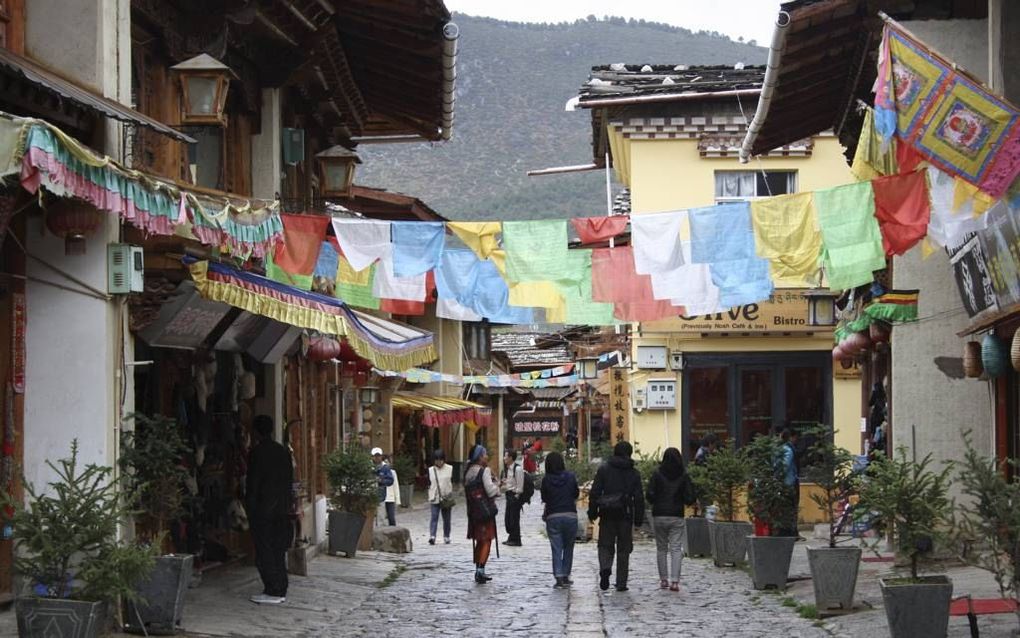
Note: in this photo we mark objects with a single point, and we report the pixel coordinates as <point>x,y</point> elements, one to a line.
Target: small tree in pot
<point>770,502</point>
<point>696,527</point>
<point>911,500</point>
<point>151,461</point>
<point>727,473</point>
<point>68,552</point>
<point>354,497</point>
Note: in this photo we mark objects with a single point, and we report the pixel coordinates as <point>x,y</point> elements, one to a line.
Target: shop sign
<point>186,321</point>
<point>1000,243</point>
<point>536,425</point>
<point>619,405</point>
<point>784,311</point>
<point>972,279</point>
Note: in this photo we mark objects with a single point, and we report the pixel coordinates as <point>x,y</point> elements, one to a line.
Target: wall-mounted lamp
<point>204,84</point>
<point>588,368</point>
<point>821,307</point>
<point>368,395</point>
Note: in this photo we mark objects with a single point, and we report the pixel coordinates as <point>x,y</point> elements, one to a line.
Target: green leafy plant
<point>769,499</point>
<point>579,463</point>
<point>153,474</point>
<point>699,479</point>
<point>406,469</point>
<point>911,499</point>
<point>646,464</point>
<point>352,479</point>
<point>66,538</point>
<point>727,473</point>
<point>990,516</point>
<point>832,471</point>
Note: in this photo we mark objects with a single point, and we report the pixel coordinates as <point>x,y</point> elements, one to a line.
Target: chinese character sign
<point>619,406</point>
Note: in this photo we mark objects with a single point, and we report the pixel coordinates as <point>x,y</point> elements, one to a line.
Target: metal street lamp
<point>336,170</point>
<point>588,368</point>
<point>204,85</point>
<point>821,307</point>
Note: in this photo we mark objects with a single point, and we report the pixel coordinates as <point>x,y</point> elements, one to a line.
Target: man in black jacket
<point>616,499</point>
<point>267,499</point>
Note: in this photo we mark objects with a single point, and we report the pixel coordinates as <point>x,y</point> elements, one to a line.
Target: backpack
<point>529,488</point>
<point>480,508</point>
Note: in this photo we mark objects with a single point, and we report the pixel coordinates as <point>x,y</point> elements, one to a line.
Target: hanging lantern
<point>879,332</point>
<point>323,349</point>
<point>336,171</point>
<point>821,307</point>
<point>204,84</point>
<point>994,355</point>
<point>73,220</point>
<point>972,366</point>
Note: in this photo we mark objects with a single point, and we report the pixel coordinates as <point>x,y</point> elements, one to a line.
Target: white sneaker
<point>266,599</point>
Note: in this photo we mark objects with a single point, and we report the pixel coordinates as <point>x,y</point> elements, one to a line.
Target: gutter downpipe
<point>768,85</point>
<point>450,34</point>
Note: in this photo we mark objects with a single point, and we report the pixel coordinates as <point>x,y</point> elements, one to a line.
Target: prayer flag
<point>274,272</point>
<point>480,237</point>
<point>416,247</point>
<point>355,287</point>
<point>595,229</point>
<point>303,235</point>
<point>534,249</point>
<point>786,234</point>
<point>895,306</point>
<point>850,236</point>
<point>656,241</point>
<point>363,241</point>
<point>902,209</point>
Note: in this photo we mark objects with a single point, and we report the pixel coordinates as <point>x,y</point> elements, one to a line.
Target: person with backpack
<point>669,490</point>
<point>559,493</point>
<point>617,500</point>
<point>480,491</point>
<point>512,484</point>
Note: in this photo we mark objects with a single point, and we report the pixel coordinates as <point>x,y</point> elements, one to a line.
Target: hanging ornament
<point>323,349</point>
<point>879,332</point>
<point>994,355</point>
<point>972,366</point>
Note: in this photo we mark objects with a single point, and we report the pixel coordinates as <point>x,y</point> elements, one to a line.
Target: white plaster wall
<point>266,161</point>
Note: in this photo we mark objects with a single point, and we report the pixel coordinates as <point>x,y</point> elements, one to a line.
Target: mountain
<point>513,80</point>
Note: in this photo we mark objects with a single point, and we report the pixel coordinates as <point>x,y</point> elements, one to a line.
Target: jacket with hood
<point>667,488</point>
<point>559,493</point>
<point>618,476</point>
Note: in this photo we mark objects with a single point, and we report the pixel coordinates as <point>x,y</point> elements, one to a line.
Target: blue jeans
<point>562,532</point>
<point>434,523</point>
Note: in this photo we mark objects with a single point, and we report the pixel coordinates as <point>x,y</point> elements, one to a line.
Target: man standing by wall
<point>268,495</point>
<point>512,484</point>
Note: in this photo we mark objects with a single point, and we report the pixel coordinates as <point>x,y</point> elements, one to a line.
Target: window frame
<point>757,191</point>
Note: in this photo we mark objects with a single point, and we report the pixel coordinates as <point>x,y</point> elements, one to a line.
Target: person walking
<point>512,484</point>
<point>386,479</point>
<point>440,495</point>
<point>267,501</point>
<point>669,490</point>
<point>617,500</point>
<point>480,490</point>
<point>790,469</point>
<point>559,493</point>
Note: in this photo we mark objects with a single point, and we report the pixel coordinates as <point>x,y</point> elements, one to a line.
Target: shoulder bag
<point>445,502</point>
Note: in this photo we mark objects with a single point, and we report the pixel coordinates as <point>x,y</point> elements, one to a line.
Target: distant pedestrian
<point>440,495</point>
<point>559,493</point>
<point>789,466</point>
<point>709,444</point>
<point>512,484</point>
<point>669,490</point>
<point>268,500</point>
<point>481,490</point>
<point>531,451</point>
<point>617,500</point>
<point>386,479</point>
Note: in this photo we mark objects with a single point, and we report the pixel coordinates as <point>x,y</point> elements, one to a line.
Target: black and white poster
<point>972,279</point>
<point>1000,242</point>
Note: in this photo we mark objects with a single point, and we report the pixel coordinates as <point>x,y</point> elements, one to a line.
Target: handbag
<point>445,502</point>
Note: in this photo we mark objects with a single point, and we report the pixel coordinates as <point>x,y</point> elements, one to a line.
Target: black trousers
<point>272,538</point>
<point>616,537</point>
<point>789,526</point>
<point>512,518</point>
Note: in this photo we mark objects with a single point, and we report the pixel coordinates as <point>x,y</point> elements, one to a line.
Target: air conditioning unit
<point>638,400</point>
<point>293,141</point>
<point>661,394</point>
<point>125,268</point>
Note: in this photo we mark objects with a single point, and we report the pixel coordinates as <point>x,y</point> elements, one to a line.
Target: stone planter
<point>161,603</point>
<point>45,617</point>
<point>770,560</point>
<point>345,530</point>
<point>406,494</point>
<point>697,542</point>
<point>728,542</point>
<point>834,575</point>
<point>917,609</point>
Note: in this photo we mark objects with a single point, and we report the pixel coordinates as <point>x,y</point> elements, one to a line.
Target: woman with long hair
<point>669,489</point>
<point>559,493</point>
<point>480,490</point>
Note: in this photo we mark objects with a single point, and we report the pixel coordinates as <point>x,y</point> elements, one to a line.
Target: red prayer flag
<point>907,157</point>
<point>647,310</point>
<point>411,308</point>
<point>902,209</point>
<point>614,279</point>
<point>302,239</point>
<point>595,229</point>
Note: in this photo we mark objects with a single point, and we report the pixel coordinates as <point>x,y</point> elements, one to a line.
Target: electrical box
<point>293,146</point>
<point>676,361</point>
<point>637,399</point>
<point>652,357</point>
<point>125,268</point>
<point>662,394</point>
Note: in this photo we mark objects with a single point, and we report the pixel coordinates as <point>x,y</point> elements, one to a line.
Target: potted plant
<point>910,499</point>
<point>154,477</point>
<point>354,495</point>
<point>66,549</point>
<point>833,569</point>
<point>407,471</point>
<point>726,471</point>
<point>770,504</point>
<point>991,518</point>
<point>696,526</point>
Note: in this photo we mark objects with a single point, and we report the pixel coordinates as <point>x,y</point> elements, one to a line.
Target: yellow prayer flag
<point>345,274</point>
<point>786,233</point>
<point>964,191</point>
<point>480,237</point>
<point>530,294</point>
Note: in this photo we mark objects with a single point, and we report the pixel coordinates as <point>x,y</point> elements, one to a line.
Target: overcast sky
<point>752,19</point>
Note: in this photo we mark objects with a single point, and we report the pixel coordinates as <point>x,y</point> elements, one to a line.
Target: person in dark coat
<point>559,493</point>
<point>268,500</point>
<point>668,492</point>
<point>618,501</point>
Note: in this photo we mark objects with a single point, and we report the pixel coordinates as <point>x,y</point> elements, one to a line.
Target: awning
<point>444,410</point>
<point>385,343</point>
<point>11,63</point>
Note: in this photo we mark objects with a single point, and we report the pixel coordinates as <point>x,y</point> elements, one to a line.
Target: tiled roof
<point>519,348</point>
<point>631,80</point>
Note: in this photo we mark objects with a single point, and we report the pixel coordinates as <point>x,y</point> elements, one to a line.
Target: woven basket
<point>972,366</point>
<point>1014,351</point>
<point>994,355</point>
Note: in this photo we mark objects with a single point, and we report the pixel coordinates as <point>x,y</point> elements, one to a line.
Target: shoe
<point>432,540</point>
<point>620,587</point>
<point>512,543</point>
<point>567,581</point>
<point>266,599</point>
<point>604,579</point>
<point>674,586</point>
<point>480,578</point>
<point>663,584</point>
<point>446,541</point>
<point>561,582</point>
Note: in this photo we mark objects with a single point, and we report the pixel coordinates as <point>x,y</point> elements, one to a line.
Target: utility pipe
<point>450,35</point>
<point>768,85</point>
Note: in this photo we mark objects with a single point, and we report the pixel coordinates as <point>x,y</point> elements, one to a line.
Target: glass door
<point>707,393</point>
<point>756,407</point>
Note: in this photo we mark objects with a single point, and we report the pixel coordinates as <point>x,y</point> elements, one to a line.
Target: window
<point>476,340</point>
<point>736,186</point>
<point>205,157</point>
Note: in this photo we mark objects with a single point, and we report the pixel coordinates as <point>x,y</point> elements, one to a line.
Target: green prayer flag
<point>535,250</point>
<point>358,295</point>
<point>850,235</point>
<point>277,274</point>
<point>574,282</point>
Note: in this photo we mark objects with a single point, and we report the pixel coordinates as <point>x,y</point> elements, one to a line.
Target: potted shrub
<point>770,504</point>
<point>991,518</point>
<point>154,477</point>
<point>67,551</point>
<point>407,472</point>
<point>726,472</point>
<point>354,495</point>
<point>833,569</point>
<point>696,526</point>
<point>910,499</point>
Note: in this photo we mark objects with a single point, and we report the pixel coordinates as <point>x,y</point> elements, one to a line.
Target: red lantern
<point>323,349</point>
<point>73,220</point>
